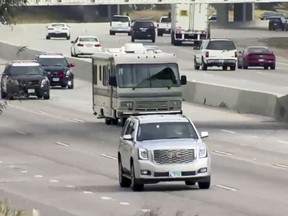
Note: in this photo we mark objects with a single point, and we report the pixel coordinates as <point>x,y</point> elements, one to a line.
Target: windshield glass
<point>90,39</point>
<point>221,45</point>
<point>53,62</point>
<point>258,50</point>
<point>120,19</point>
<point>165,20</point>
<point>166,130</point>
<point>58,25</point>
<point>147,75</point>
<point>24,70</point>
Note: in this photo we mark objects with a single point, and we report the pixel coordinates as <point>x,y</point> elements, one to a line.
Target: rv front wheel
<point>108,121</point>
<point>115,121</point>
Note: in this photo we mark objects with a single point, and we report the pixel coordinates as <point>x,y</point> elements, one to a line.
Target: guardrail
<point>127,2</point>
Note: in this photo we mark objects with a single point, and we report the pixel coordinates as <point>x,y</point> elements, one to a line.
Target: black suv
<point>24,78</point>
<point>58,69</point>
<point>143,30</point>
<point>277,22</point>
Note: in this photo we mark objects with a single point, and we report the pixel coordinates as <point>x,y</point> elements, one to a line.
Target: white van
<point>120,24</point>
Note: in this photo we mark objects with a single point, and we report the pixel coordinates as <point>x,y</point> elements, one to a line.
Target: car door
<point>198,55</point>
<point>4,79</point>
<point>240,57</point>
<point>127,145</point>
<point>122,144</point>
<point>74,44</point>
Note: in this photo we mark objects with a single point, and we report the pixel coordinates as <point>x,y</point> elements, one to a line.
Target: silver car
<point>155,148</point>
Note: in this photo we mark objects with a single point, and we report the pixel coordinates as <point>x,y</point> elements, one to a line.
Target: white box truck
<point>189,23</point>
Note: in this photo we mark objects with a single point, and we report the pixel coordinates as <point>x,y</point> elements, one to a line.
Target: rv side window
<point>104,75</point>
<point>95,67</point>
<point>100,73</point>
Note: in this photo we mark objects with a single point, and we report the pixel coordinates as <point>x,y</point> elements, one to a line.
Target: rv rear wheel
<point>115,121</point>
<point>108,121</point>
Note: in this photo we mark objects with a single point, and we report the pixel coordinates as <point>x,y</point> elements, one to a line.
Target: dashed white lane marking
<point>226,188</point>
<point>12,166</point>
<point>21,132</point>
<point>70,186</point>
<point>281,165</point>
<point>38,176</point>
<point>281,141</point>
<point>109,156</point>
<point>146,210</point>
<point>222,152</point>
<point>106,198</point>
<point>77,120</point>
<point>124,203</point>
<point>53,180</point>
<point>228,131</point>
<point>24,171</point>
<point>62,144</point>
<point>87,192</point>
<point>39,111</point>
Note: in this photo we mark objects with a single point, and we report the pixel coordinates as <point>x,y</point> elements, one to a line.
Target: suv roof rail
<point>47,53</point>
<point>24,61</point>
<point>176,112</point>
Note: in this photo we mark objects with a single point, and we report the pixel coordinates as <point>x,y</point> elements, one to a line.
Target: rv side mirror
<point>112,81</point>
<point>183,80</point>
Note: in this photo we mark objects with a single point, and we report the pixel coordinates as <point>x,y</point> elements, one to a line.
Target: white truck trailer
<point>189,23</point>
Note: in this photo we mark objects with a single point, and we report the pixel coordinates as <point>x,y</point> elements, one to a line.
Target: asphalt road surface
<point>271,81</point>
<point>55,156</point>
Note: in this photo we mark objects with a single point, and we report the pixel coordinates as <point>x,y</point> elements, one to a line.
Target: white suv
<point>155,148</point>
<point>61,30</point>
<point>216,52</point>
<point>120,24</point>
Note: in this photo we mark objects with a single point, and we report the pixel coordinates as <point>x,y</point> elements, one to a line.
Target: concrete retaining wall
<point>240,100</point>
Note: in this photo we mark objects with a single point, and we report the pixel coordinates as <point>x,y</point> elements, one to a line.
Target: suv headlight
<point>175,103</point>
<point>13,81</point>
<point>202,152</point>
<point>68,73</point>
<point>143,154</point>
<point>44,82</point>
<point>128,104</point>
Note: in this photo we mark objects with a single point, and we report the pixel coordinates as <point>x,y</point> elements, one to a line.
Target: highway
<point>55,156</point>
<point>252,79</point>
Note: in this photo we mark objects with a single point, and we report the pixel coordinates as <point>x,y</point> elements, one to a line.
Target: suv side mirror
<point>127,137</point>
<point>204,134</point>
<point>71,65</point>
<point>112,81</point>
<point>72,42</point>
<point>183,80</point>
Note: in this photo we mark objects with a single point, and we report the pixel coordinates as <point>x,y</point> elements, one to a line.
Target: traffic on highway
<point>105,123</point>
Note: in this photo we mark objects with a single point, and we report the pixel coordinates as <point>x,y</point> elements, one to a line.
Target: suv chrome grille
<point>151,105</point>
<point>29,83</point>
<point>175,156</point>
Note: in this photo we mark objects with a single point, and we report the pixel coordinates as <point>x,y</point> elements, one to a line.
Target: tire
<point>224,67</point>
<point>47,37</point>
<point>112,33</point>
<point>266,67</point>
<point>153,40</point>
<point>233,68</point>
<point>39,96</point>
<point>272,67</point>
<point>46,97</point>
<point>115,121</point>
<point>129,33</point>
<point>239,66</point>
<point>108,121</point>
<point>123,120</point>
<point>63,86</point>
<point>72,55</point>
<point>245,66</point>
<point>203,66</point>
<point>123,181</point>
<point>189,183</point>
<point>134,185</point>
<point>160,34</point>
<point>72,85</point>
<point>3,94</point>
<point>205,185</point>
<point>196,66</point>
<point>132,39</point>
<point>68,37</point>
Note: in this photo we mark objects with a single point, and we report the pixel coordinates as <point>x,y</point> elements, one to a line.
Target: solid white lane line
<point>226,188</point>
<point>38,176</point>
<point>228,131</point>
<point>124,203</point>
<point>106,198</point>
<point>284,142</point>
<point>109,156</point>
<point>70,186</point>
<point>53,180</point>
<point>24,171</point>
<point>62,144</point>
<point>222,152</point>
<point>87,192</point>
<point>77,120</point>
<point>21,132</point>
<point>281,165</point>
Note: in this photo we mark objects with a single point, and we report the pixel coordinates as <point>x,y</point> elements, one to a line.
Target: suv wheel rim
<point>120,171</point>
<point>132,175</point>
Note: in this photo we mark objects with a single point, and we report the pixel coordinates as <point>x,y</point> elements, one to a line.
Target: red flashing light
<point>61,75</point>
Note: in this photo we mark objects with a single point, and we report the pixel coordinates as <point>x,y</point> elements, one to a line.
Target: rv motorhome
<point>135,80</point>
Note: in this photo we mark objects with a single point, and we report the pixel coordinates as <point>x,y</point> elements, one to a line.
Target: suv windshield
<point>90,39</point>
<point>144,24</point>
<point>53,62</point>
<point>165,20</point>
<point>258,50</point>
<point>166,130</point>
<point>25,70</point>
<point>147,75</point>
<point>120,19</point>
<point>221,45</point>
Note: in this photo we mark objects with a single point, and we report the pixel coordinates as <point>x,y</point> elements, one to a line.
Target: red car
<point>256,56</point>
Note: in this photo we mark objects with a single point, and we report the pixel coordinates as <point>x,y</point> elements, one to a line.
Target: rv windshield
<point>147,75</point>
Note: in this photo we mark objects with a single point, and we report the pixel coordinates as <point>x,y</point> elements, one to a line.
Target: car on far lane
<point>256,56</point>
<point>58,30</point>
<point>85,45</point>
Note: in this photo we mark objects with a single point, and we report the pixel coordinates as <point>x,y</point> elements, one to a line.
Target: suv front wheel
<point>123,181</point>
<point>135,186</point>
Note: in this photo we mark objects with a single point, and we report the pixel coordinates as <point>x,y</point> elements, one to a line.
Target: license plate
<point>31,90</point>
<point>175,174</point>
<point>55,79</point>
<point>261,60</point>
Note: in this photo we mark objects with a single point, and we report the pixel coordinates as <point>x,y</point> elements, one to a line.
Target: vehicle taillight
<point>97,45</point>
<point>207,54</point>
<point>235,54</point>
<point>79,44</point>
<point>61,75</point>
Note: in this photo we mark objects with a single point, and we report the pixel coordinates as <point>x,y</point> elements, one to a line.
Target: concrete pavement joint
<point>62,144</point>
<point>21,132</point>
<point>281,165</point>
<point>228,131</point>
<point>109,156</point>
<point>226,188</point>
<point>222,152</point>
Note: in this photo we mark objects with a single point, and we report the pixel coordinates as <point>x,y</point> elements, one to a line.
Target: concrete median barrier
<point>240,100</point>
